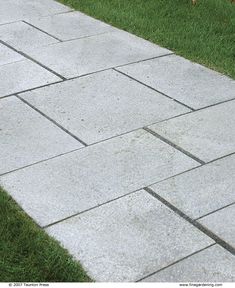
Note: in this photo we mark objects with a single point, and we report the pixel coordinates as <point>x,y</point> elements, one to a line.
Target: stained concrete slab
<point>128,238</point>
<point>91,54</point>
<point>27,137</point>
<point>23,75</point>
<point>12,10</point>
<point>190,83</point>
<point>22,36</point>
<point>201,190</point>
<point>61,187</point>
<point>207,134</point>
<point>102,105</point>
<point>8,56</point>
<point>214,264</point>
<point>221,223</point>
<point>72,25</point>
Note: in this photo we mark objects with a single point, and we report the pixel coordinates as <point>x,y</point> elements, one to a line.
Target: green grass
<point>28,254</point>
<point>204,33</point>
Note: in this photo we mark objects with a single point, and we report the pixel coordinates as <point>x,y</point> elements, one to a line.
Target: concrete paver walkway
<point>118,148</point>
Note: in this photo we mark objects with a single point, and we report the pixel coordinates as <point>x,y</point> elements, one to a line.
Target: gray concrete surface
<point>89,177</point>
<point>208,134</point>
<point>68,26</point>
<point>222,224</point>
<point>188,82</point>
<point>28,137</point>
<point>23,75</point>
<point>129,238</point>
<point>22,36</point>
<point>202,190</point>
<point>95,53</point>
<point>8,56</point>
<point>119,105</point>
<point>213,264</point>
<point>126,166</point>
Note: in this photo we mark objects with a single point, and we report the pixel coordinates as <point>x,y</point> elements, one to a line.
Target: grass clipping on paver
<point>28,254</point>
<point>203,32</point>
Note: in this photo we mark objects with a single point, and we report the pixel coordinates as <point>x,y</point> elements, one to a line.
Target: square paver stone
<point>189,83</point>
<point>23,75</point>
<point>102,105</point>
<point>207,134</point>
<point>129,238</point>
<point>95,53</point>
<point>75,182</point>
<point>22,36</point>
<point>201,190</point>
<point>221,223</point>
<point>8,56</point>
<point>27,137</point>
<point>12,10</point>
<point>72,25</point>
<point>214,264</point>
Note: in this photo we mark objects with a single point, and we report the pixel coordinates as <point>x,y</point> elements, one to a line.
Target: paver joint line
<point>92,208</point>
<point>31,59</point>
<point>152,87</point>
<point>140,176</point>
<point>203,229</point>
<point>221,208</point>
<point>174,145</point>
<point>35,27</point>
<point>178,261</point>
<point>53,121</point>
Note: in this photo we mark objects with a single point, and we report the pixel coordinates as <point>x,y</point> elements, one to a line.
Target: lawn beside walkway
<point>204,33</point>
<point>27,253</point>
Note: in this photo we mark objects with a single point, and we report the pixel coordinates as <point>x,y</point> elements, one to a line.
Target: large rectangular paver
<point>222,223</point>
<point>12,10</point>
<point>190,83</point>
<point>86,55</point>
<point>23,36</point>
<point>8,56</point>
<point>27,137</point>
<point>91,176</point>
<point>102,105</point>
<point>23,75</point>
<point>213,264</point>
<point>72,25</point>
<point>129,238</point>
<point>207,134</point>
<point>202,190</point>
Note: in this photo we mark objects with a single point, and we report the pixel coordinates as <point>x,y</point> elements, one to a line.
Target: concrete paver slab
<point>102,105</point>
<point>128,238</point>
<point>8,56</point>
<point>22,36</point>
<point>91,54</point>
<point>27,137</point>
<point>222,224</point>
<point>72,25</point>
<point>12,10</point>
<point>190,83</point>
<point>213,264</point>
<point>75,182</point>
<point>23,75</point>
<point>207,134</point>
<point>202,190</point>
